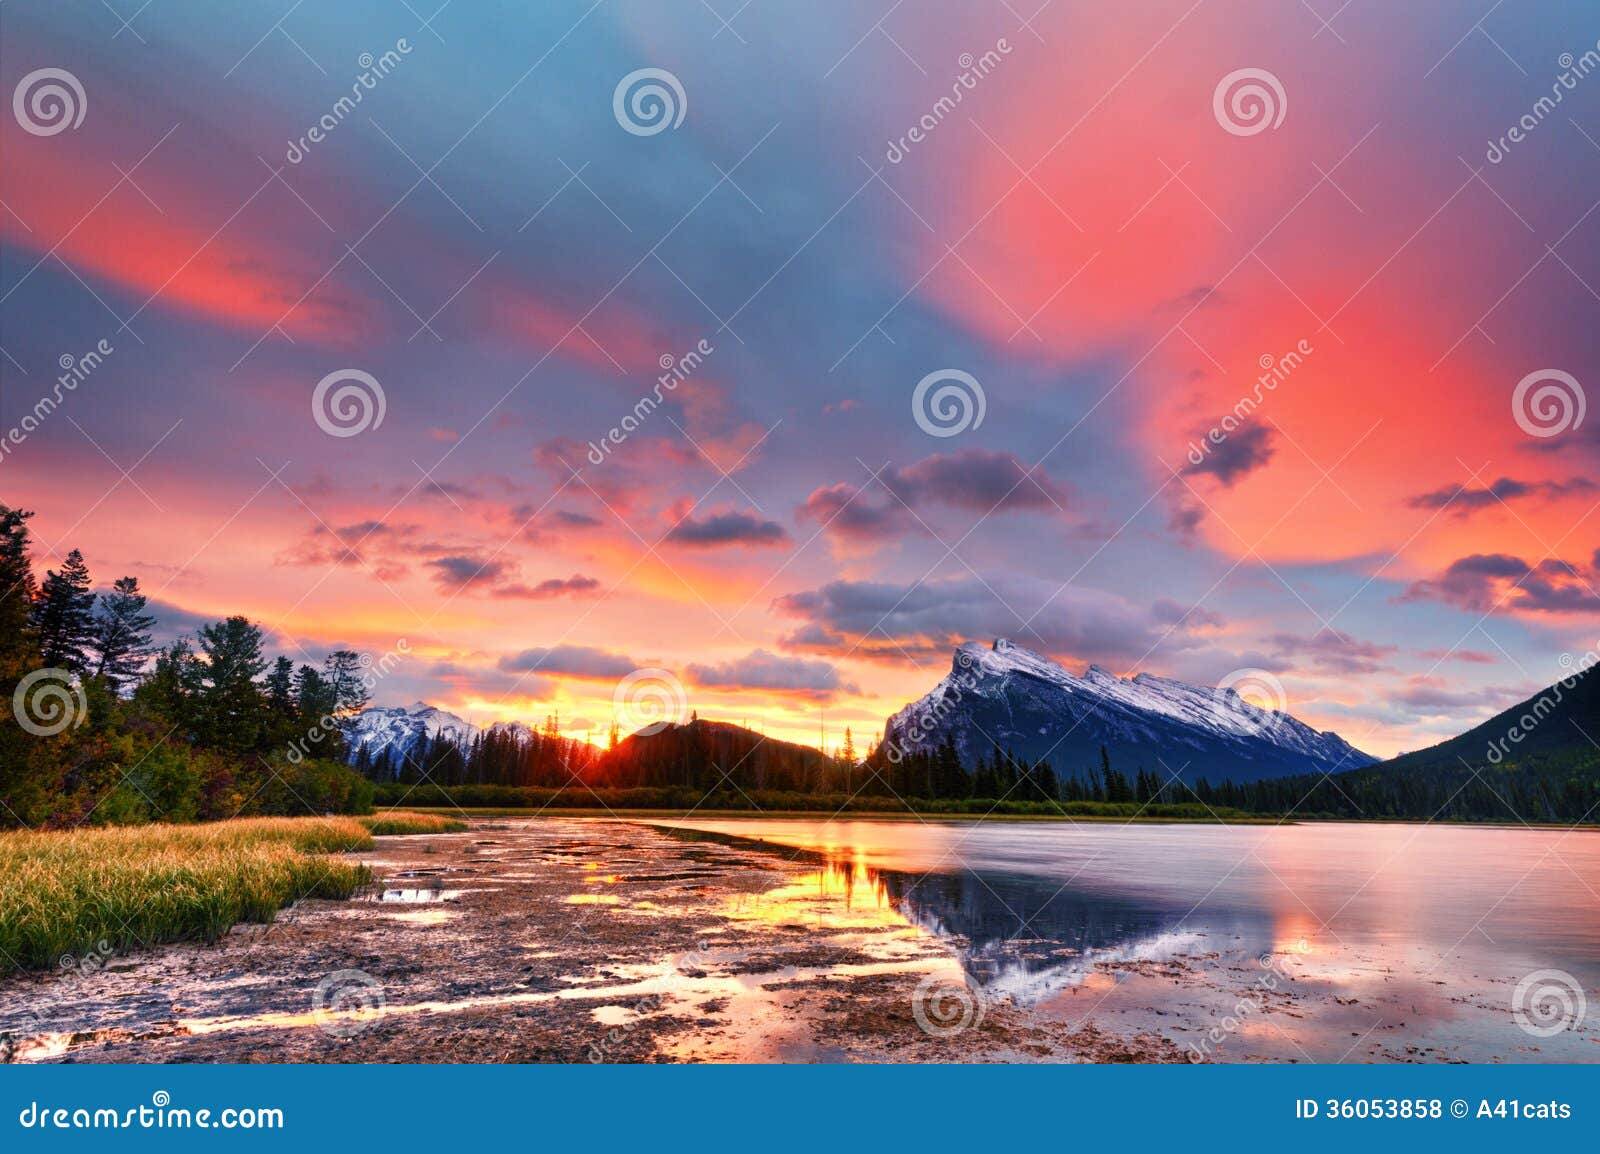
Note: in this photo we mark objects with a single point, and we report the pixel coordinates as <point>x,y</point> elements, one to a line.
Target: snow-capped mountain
<point>403,727</point>
<point>1009,696</point>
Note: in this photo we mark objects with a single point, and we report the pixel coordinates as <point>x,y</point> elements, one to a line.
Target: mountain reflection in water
<point>1027,939</point>
<point>1379,942</point>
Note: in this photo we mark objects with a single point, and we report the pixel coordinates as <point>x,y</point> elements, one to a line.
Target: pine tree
<point>122,633</point>
<point>232,700</point>
<point>63,616</point>
<point>280,687</point>
<point>311,693</point>
<point>173,688</point>
<point>18,643</point>
<point>341,670</point>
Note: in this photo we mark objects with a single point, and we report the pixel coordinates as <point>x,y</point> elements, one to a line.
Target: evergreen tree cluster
<point>203,730</point>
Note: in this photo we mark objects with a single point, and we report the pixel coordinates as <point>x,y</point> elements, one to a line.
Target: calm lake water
<point>1315,942</point>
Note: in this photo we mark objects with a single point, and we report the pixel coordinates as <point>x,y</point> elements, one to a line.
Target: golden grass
<point>397,821</point>
<point>65,893</point>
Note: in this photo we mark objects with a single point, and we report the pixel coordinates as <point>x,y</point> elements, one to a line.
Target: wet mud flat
<point>574,940</point>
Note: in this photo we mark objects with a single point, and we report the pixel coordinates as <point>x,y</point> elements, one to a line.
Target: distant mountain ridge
<point>1558,725</point>
<point>1007,696</point>
<point>403,729</point>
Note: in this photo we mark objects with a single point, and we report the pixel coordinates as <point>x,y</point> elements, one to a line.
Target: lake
<point>1310,942</point>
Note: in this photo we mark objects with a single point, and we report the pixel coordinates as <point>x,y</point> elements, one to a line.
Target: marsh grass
<point>63,894</point>
<point>404,821</point>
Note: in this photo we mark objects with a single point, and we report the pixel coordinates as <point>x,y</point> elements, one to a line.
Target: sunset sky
<point>1082,234</point>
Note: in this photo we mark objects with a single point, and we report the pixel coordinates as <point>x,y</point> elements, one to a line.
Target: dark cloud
<point>763,670</point>
<point>551,588</point>
<point>373,545</point>
<point>443,680</point>
<point>1501,583</point>
<point>1185,516</point>
<point>814,637</point>
<point>1462,499</point>
<point>1170,612</point>
<point>1239,455</point>
<point>732,527</point>
<point>573,520</point>
<point>1429,696</point>
<point>896,622</point>
<point>570,660</point>
<point>975,480</point>
<point>463,571</point>
<point>846,510</point>
<point>1469,656</point>
<point>1333,651</point>
<point>446,491</point>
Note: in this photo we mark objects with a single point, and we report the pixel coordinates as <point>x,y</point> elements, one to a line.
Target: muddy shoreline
<point>551,940</point>
<point>565,939</point>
